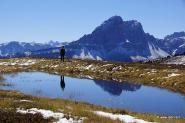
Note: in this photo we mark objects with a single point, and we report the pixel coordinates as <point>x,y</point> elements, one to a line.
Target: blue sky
<point>68,20</point>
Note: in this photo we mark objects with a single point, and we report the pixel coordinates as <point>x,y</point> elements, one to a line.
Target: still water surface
<point>134,97</point>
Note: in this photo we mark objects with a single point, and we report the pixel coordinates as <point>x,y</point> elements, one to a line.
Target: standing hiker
<point>62,53</point>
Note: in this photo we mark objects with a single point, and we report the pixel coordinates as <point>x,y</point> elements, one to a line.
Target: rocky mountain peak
<point>111,23</point>
<point>114,20</point>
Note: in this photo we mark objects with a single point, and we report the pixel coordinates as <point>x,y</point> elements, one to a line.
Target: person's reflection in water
<point>62,83</point>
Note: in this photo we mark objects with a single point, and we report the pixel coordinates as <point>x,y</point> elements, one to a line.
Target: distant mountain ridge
<point>16,48</point>
<point>117,40</point>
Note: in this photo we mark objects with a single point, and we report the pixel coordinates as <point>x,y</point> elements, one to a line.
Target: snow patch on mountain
<point>127,41</point>
<point>174,52</point>
<point>182,45</point>
<point>85,54</point>
<point>178,60</point>
<point>156,52</point>
<point>99,58</point>
<point>182,37</point>
<point>138,58</point>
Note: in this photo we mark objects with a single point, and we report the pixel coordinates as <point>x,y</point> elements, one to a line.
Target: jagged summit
<point>110,24</point>
<point>114,20</point>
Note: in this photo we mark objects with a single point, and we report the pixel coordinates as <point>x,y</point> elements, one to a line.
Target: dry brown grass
<point>13,117</point>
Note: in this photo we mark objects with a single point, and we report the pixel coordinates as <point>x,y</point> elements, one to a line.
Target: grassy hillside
<point>171,77</point>
<point>165,76</point>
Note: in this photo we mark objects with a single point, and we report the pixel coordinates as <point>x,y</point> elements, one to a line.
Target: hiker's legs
<point>62,58</point>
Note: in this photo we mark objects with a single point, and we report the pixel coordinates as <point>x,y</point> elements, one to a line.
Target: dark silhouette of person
<point>62,53</point>
<point>62,83</point>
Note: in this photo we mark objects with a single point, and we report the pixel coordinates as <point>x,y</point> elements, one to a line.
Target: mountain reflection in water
<point>112,87</point>
<point>139,98</point>
<point>116,88</point>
